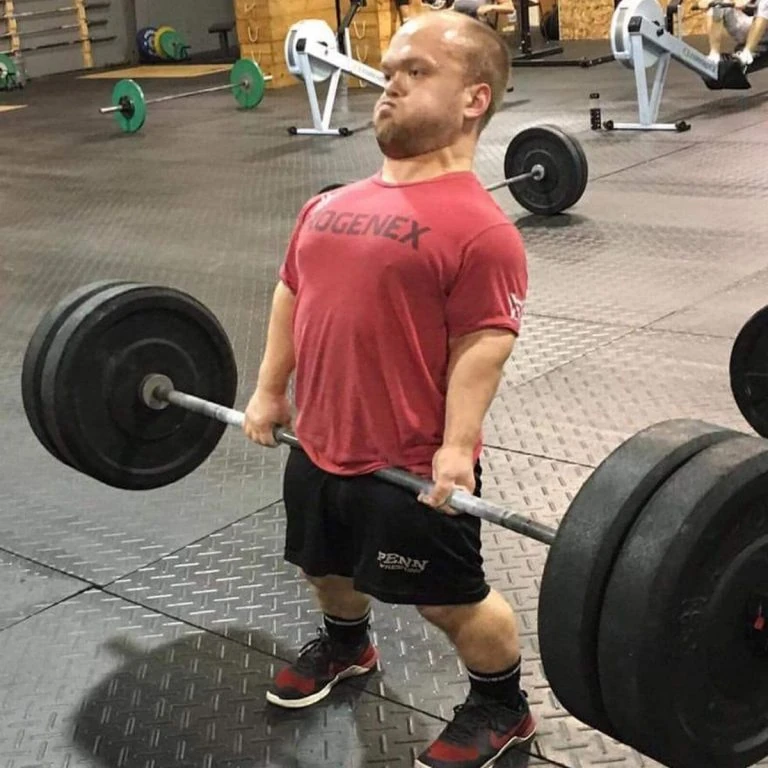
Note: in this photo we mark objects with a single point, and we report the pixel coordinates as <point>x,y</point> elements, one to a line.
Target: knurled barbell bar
<point>651,614</point>
<point>129,105</point>
<point>545,170</point>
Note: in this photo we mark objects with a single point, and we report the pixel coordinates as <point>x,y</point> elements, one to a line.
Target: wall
<point>262,26</point>
<point>70,58</point>
<point>190,17</point>
<point>591,19</point>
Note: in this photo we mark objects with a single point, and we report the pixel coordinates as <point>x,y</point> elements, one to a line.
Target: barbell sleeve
<point>460,500</point>
<point>536,173</point>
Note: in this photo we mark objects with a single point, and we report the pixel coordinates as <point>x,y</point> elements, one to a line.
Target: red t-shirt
<point>384,274</point>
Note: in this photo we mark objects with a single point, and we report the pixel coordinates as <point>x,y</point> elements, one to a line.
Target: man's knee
<point>330,584</point>
<point>447,617</point>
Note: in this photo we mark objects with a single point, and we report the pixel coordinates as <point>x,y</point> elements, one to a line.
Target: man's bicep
<point>492,285</point>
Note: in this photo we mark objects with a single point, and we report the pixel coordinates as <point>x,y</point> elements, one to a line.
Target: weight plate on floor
<point>7,72</point>
<point>588,540</point>
<point>248,81</point>
<point>34,358</point>
<point>129,94</point>
<point>92,380</point>
<point>564,169</point>
<point>682,678</point>
<point>173,46</point>
<point>158,41</point>
<point>749,371</point>
<point>330,187</point>
<point>145,42</point>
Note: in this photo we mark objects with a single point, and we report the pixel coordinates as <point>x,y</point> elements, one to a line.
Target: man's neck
<point>426,166</point>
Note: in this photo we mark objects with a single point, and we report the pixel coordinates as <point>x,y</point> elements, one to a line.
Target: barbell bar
<point>671,520</point>
<point>157,390</point>
<point>130,105</point>
<point>537,173</point>
<point>545,170</point>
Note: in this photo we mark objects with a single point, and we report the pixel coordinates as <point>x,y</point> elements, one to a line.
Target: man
<point>748,31</point>
<point>399,302</point>
<point>487,11</point>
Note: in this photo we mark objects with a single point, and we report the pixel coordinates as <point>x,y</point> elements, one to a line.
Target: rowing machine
<point>312,55</point>
<point>640,39</point>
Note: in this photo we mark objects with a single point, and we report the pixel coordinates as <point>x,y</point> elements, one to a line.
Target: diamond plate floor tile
<point>583,410</point>
<point>724,313</point>
<point>547,343</point>
<point>53,515</point>
<point>237,583</point>
<point>620,278</point>
<point>132,688</point>
<point>27,588</point>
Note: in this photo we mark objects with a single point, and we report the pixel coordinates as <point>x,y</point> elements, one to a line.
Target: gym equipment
<point>545,170</point>
<point>145,42</point>
<point>656,586</point>
<point>8,73</point>
<point>312,55</point>
<point>642,37</point>
<point>129,105</point>
<point>170,45</point>
<point>749,371</point>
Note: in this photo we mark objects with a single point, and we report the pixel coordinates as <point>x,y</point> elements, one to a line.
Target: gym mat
<point>160,71</point>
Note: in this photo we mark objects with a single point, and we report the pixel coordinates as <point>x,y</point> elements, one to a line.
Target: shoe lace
<point>478,711</point>
<point>318,649</point>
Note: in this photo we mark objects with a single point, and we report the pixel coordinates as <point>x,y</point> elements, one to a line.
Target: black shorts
<point>395,548</point>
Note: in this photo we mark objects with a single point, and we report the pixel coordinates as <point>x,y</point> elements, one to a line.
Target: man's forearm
<point>474,372</point>
<point>279,355</point>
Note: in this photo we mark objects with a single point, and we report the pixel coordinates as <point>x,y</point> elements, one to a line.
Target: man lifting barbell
<point>399,302</point>
<point>751,32</point>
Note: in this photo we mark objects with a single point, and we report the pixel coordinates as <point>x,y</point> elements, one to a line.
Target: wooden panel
<point>591,19</point>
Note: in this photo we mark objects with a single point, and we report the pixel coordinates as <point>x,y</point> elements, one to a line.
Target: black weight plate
<point>681,679</point>
<point>330,187</point>
<point>588,540</point>
<point>563,183</point>
<point>579,149</point>
<point>93,374</point>
<point>749,371</point>
<point>37,349</point>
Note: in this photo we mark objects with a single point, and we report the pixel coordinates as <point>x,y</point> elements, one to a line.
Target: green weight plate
<point>158,42</point>
<point>682,651</point>
<point>7,72</point>
<point>588,541</point>
<point>172,45</point>
<point>248,81</point>
<point>93,376</point>
<point>34,359</point>
<point>129,94</point>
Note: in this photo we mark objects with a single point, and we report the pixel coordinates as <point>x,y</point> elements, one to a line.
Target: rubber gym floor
<point>141,629</point>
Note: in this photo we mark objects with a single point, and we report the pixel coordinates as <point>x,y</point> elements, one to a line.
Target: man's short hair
<point>487,60</point>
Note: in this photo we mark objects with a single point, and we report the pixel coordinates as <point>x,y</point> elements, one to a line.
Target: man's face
<point>422,107</point>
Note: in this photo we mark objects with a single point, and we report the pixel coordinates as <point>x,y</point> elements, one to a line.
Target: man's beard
<point>399,141</point>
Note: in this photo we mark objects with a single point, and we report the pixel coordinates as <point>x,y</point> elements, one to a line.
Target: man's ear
<point>478,100</point>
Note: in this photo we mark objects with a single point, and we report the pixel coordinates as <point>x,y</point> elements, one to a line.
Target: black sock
<point>347,631</point>
<point>501,686</point>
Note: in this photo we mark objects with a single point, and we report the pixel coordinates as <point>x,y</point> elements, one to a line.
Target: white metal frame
<point>646,37</point>
<point>306,50</point>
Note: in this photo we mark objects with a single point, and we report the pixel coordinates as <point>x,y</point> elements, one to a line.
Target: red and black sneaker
<point>481,731</point>
<point>320,665</point>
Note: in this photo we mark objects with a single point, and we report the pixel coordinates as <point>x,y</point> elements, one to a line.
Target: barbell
<point>653,596</point>
<point>129,105</point>
<point>545,169</point>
